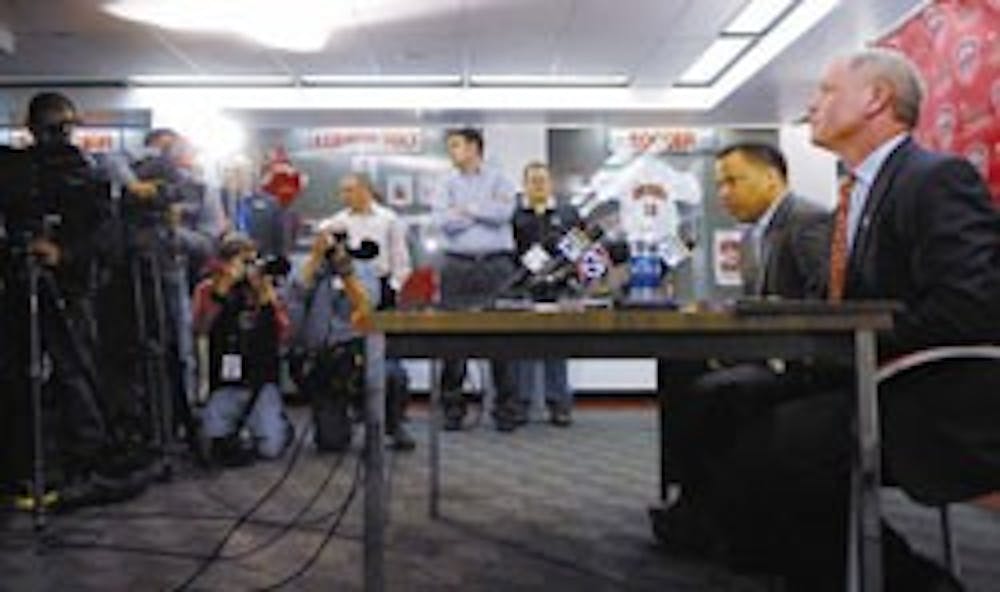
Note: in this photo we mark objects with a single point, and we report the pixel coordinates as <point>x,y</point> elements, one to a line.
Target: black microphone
<point>618,251</point>
<point>546,281</point>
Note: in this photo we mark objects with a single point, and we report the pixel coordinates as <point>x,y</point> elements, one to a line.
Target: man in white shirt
<point>366,219</point>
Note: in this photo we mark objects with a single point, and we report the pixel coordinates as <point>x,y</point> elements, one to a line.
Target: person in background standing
<point>474,216</point>
<point>539,224</point>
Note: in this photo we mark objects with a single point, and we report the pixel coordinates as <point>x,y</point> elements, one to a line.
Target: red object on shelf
<point>281,179</point>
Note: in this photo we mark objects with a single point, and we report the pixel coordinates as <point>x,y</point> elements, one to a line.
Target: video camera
<point>46,189</point>
<point>173,187</point>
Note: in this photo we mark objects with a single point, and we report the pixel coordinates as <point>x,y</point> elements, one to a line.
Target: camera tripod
<point>159,338</point>
<point>43,292</point>
<point>151,335</point>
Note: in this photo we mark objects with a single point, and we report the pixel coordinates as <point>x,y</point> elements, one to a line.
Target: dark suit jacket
<point>794,251</point>
<point>929,237</point>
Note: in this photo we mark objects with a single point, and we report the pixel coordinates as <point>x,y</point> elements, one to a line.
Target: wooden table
<point>843,334</point>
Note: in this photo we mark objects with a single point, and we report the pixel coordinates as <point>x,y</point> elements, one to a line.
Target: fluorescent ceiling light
<point>758,16</point>
<point>382,80</point>
<point>607,80</point>
<point>208,80</point>
<point>714,61</point>
<point>293,25</point>
<point>15,80</point>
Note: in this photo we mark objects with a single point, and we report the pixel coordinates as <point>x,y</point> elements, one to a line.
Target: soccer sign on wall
<point>956,45</point>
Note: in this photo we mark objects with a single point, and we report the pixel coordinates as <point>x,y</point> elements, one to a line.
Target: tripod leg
<point>148,370</point>
<point>165,394</point>
<point>77,353</point>
<point>35,377</point>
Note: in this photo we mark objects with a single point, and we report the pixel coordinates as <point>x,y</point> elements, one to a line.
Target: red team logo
<point>944,124</point>
<point>967,59</point>
<point>934,20</point>
<point>963,111</point>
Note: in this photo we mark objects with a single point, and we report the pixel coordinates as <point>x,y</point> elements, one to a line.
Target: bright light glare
<point>215,136</point>
<point>293,25</point>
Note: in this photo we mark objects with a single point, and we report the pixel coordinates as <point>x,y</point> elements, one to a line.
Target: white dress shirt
<point>382,226</point>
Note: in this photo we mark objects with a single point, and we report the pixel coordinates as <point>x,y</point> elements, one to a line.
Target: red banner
<point>956,45</point>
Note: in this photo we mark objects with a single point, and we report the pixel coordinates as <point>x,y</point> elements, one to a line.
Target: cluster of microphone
<point>562,266</point>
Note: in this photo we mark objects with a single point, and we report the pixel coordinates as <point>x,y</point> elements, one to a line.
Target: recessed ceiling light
<point>714,61</point>
<point>208,80</point>
<point>567,80</point>
<point>758,16</point>
<point>381,80</point>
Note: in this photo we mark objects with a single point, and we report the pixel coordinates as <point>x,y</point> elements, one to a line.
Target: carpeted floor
<point>541,509</point>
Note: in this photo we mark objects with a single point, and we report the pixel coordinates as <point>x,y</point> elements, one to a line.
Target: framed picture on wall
<point>399,191</point>
<point>726,257</point>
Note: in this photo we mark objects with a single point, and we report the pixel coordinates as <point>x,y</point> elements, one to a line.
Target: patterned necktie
<point>838,246</point>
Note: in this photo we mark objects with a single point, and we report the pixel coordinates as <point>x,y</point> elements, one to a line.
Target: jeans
<point>266,421</point>
<point>555,383</point>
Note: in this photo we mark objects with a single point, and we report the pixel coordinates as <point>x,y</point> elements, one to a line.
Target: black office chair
<point>921,359</point>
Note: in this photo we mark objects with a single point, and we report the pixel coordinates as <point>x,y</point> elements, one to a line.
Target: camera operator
<point>366,219</point>
<point>53,208</point>
<point>331,299</point>
<point>193,210</point>
<point>238,308</point>
<point>168,228</point>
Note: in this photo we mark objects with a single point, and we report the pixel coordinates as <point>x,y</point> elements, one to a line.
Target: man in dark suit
<point>912,226</point>
<point>783,254</point>
<point>785,242</point>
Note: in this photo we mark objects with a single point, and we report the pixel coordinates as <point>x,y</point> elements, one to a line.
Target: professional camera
<point>272,266</point>
<point>367,249</point>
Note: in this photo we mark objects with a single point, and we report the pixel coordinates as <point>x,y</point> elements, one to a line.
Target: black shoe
<point>505,422</point>
<point>560,416</point>
<point>402,440</point>
<point>520,415</point>
<point>506,417</point>
<point>907,571</point>
<point>681,530</point>
<point>454,415</point>
<point>231,452</point>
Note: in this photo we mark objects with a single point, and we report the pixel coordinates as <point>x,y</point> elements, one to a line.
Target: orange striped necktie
<point>838,246</point>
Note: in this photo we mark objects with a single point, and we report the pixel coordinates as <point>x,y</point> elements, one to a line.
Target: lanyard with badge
<point>232,369</point>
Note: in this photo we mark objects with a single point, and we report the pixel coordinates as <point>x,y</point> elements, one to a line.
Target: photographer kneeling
<point>239,309</point>
<point>331,299</point>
